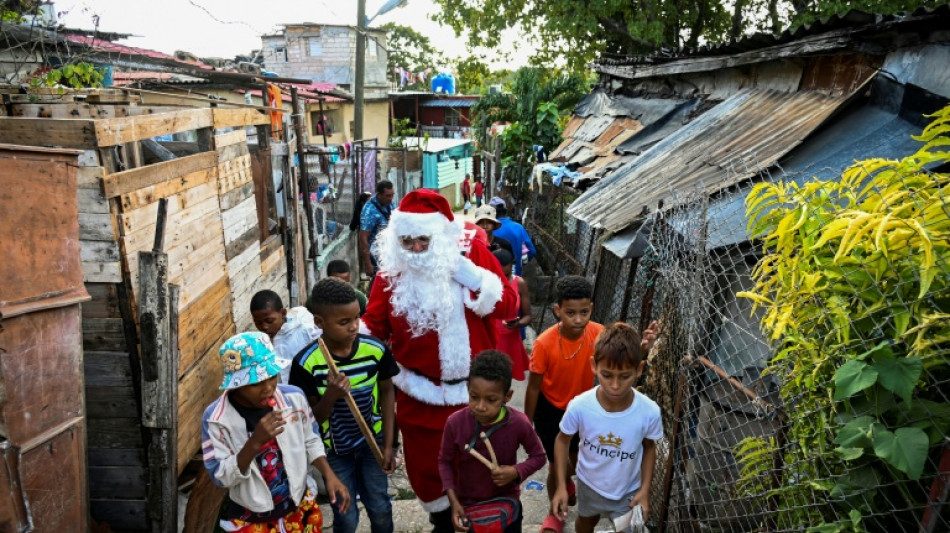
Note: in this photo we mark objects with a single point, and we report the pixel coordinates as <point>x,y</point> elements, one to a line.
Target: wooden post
<point>158,316</point>
<point>323,121</point>
<point>304,175</point>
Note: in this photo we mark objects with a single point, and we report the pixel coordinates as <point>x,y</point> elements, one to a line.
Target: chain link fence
<point>803,367</point>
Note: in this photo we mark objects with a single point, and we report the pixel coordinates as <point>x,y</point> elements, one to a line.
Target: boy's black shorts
<point>547,422</point>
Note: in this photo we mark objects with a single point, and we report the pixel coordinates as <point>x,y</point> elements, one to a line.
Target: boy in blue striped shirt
<point>366,369</point>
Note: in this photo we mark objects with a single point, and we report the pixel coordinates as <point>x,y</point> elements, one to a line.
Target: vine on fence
<point>855,284</point>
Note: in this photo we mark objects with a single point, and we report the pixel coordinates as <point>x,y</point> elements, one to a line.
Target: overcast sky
<point>225,28</point>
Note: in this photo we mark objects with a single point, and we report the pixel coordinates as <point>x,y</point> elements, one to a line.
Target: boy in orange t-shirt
<point>561,369</point>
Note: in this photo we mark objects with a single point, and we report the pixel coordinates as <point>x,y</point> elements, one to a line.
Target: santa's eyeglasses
<point>418,243</point>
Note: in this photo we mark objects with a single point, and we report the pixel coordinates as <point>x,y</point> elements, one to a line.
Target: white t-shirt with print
<point>611,444</point>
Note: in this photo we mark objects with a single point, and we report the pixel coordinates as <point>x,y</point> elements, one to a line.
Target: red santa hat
<point>421,212</point>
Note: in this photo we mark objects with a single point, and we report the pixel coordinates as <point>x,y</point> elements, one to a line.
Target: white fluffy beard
<point>421,284</point>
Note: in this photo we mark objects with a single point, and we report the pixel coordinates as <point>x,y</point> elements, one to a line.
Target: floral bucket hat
<point>248,359</point>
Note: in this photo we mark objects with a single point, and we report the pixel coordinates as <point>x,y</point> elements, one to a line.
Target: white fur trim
<point>440,504</point>
<point>418,224</point>
<point>488,296</point>
<point>422,389</point>
<point>455,350</point>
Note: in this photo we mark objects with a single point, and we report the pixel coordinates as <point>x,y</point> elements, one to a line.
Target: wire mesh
<point>824,411</point>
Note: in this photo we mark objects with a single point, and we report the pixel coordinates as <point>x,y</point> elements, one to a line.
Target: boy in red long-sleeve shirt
<point>505,428</point>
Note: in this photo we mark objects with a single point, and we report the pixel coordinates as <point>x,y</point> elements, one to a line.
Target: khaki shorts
<point>592,503</point>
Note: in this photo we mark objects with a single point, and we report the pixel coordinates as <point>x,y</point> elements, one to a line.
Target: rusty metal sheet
<point>54,479</point>
<point>38,208</point>
<point>839,74</point>
<point>41,364</point>
<point>733,141</point>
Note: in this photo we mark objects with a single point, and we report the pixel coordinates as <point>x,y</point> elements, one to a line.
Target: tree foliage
<point>474,76</point>
<point>854,282</point>
<point>578,31</point>
<point>410,50</point>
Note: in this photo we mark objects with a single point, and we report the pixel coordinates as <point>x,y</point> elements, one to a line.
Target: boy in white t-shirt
<point>290,330</point>
<point>618,428</point>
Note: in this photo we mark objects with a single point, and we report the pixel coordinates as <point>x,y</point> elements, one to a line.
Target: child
<point>467,193</point>
<point>479,191</point>
<point>291,330</point>
<point>509,331</point>
<point>340,269</point>
<point>257,440</point>
<point>466,480</point>
<point>366,369</point>
<point>618,428</point>
<point>560,369</point>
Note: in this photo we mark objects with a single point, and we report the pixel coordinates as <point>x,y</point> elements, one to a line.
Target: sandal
<point>571,492</point>
<point>552,523</point>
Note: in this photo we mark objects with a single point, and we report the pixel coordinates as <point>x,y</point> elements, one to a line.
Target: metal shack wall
<point>41,358</point>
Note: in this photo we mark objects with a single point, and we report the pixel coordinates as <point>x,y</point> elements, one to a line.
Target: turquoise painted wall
<point>438,169</point>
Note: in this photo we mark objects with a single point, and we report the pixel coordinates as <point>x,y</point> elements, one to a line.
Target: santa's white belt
<point>433,391</point>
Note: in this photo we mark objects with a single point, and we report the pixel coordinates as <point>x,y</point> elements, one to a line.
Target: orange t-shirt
<point>564,377</point>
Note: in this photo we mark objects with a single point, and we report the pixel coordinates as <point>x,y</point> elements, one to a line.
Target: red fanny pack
<point>492,516</point>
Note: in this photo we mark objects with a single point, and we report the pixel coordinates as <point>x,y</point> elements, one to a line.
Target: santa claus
<point>435,307</point>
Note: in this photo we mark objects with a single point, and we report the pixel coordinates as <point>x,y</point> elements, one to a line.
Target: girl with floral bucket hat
<point>257,440</point>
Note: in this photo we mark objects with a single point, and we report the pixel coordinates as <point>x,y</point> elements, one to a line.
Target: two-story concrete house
<point>326,53</point>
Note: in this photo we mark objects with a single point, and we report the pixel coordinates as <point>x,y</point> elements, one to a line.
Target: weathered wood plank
<point>184,206</point>
<point>111,402</point>
<point>107,369</point>
<point>275,261</point>
<point>244,280</point>
<point>89,158</point>
<point>114,432</point>
<point>240,244</point>
<point>193,250</point>
<point>235,196</point>
<point>201,514</point>
<point>177,232</point>
<point>232,137</point>
<point>233,151</point>
<point>156,351</point>
<point>233,173</point>
<point>115,482</point>
<point>101,272</point>
<point>238,220</point>
<point>121,515</point>
<point>137,178</point>
<point>89,178</point>
<point>91,201</point>
<point>243,259</point>
<point>129,129</point>
<point>98,251</point>
<point>230,118</point>
<point>203,278</point>
<point>66,133</point>
<point>104,303</point>
<point>200,323</point>
<point>270,246</point>
<point>202,382</point>
<point>147,195</point>
<point>116,457</point>
<point>96,227</point>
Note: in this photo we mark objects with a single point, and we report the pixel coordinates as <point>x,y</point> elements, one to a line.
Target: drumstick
<point>354,409</point>
<point>491,449</point>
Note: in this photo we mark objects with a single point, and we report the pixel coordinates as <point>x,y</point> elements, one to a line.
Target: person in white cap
<point>436,308</point>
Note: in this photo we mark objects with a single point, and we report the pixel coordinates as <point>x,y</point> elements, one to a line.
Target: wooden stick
<point>480,457</point>
<point>755,398</point>
<point>491,449</point>
<point>354,409</point>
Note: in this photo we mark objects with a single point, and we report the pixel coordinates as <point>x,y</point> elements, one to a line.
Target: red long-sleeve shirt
<point>470,479</point>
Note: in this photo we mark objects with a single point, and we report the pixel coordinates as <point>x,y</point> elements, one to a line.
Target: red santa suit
<point>434,365</point>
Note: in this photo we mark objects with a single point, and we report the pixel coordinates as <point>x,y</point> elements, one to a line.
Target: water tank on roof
<point>443,83</point>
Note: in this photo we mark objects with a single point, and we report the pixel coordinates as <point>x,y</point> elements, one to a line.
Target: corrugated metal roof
<point>731,142</point>
<point>434,144</point>
<point>855,19</point>
<point>449,102</point>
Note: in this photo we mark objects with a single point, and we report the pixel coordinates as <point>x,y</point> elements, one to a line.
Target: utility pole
<point>360,70</point>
